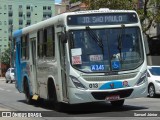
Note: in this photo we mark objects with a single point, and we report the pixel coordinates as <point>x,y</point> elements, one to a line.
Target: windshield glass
<point>155,71</point>
<point>104,50</point>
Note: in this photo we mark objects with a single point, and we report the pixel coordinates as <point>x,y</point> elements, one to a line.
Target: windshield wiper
<point>96,38</point>
<point>119,47</point>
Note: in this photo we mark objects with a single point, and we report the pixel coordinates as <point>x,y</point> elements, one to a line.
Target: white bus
<point>80,57</point>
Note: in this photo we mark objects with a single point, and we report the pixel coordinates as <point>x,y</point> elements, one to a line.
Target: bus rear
<point>106,57</point>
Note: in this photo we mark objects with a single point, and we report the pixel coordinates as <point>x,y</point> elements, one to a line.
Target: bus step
<point>35,97</point>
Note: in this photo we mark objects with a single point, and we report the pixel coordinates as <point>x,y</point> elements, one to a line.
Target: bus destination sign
<point>102,19</point>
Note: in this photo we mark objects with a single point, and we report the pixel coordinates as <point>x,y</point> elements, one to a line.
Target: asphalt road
<point>12,100</point>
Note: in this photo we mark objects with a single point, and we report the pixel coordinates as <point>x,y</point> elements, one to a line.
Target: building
<point>60,8</point>
<point>16,14</point>
<point>75,6</point>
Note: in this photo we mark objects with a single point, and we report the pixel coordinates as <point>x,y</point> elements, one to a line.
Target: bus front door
<point>62,50</point>
<point>33,65</point>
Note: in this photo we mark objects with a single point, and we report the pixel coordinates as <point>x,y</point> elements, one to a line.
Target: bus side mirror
<point>63,38</point>
<point>146,45</point>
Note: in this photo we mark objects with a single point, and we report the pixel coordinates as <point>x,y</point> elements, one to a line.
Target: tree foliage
<point>73,1</point>
<point>149,11</point>
<point>5,57</point>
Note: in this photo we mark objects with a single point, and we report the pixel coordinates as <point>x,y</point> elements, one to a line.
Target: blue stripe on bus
<point>116,84</point>
<point>17,33</point>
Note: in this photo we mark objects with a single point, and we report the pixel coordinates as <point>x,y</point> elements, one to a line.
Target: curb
<point>2,78</point>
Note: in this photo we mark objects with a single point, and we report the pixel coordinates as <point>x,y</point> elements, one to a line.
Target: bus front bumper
<point>83,96</point>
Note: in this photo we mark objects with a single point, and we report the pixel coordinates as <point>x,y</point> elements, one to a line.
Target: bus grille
<point>109,78</point>
<point>103,95</point>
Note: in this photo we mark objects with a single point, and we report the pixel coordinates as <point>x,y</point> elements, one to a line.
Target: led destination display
<point>102,19</point>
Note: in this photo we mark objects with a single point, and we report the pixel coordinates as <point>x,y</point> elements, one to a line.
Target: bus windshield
<point>105,50</point>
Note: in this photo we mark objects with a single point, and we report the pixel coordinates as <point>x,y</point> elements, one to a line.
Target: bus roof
<point>60,17</point>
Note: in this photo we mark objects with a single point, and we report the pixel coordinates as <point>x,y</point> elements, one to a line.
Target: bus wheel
<point>53,96</point>
<point>27,93</point>
<point>117,103</point>
<point>151,91</point>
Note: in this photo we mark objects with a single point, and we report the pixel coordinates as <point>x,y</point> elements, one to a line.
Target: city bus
<point>82,57</point>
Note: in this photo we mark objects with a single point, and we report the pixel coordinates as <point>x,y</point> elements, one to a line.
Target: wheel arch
<point>25,79</point>
<point>50,82</point>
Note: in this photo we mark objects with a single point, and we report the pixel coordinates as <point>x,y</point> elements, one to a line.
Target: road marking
<point>8,90</point>
<point>1,89</point>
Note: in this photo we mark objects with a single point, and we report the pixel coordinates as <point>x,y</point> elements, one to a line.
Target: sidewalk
<point>2,78</point>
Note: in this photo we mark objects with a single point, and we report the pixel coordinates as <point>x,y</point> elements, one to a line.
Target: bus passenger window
<point>25,47</point>
<point>50,42</point>
<point>40,43</point>
<point>46,42</point>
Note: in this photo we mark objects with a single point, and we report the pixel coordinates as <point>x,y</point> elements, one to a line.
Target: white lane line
<point>1,89</point>
<point>8,90</point>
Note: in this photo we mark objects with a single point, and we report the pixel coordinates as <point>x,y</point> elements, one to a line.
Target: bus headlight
<point>77,83</point>
<point>157,81</point>
<point>142,79</point>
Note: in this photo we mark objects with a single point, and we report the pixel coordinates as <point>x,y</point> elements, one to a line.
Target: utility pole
<point>11,47</point>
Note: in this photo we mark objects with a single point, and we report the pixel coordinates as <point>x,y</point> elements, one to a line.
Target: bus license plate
<point>113,97</point>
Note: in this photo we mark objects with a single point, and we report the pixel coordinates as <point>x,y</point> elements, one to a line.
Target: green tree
<point>5,57</point>
<point>112,4</point>
<point>149,13</point>
<point>73,1</point>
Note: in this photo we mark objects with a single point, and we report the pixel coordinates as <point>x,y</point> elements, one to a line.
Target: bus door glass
<point>62,50</point>
<point>33,62</point>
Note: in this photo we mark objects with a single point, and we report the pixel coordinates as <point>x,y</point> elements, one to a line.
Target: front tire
<point>118,103</point>
<point>151,91</point>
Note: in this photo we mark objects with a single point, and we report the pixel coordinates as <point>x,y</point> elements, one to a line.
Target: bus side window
<point>18,57</point>
<point>53,39</point>
<point>50,42</point>
<point>45,43</point>
<point>40,43</point>
<point>25,47</point>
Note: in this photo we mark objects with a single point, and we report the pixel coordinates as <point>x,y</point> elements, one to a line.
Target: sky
<point>57,1</point>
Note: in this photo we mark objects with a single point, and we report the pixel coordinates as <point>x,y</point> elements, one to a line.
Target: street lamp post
<point>11,47</point>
